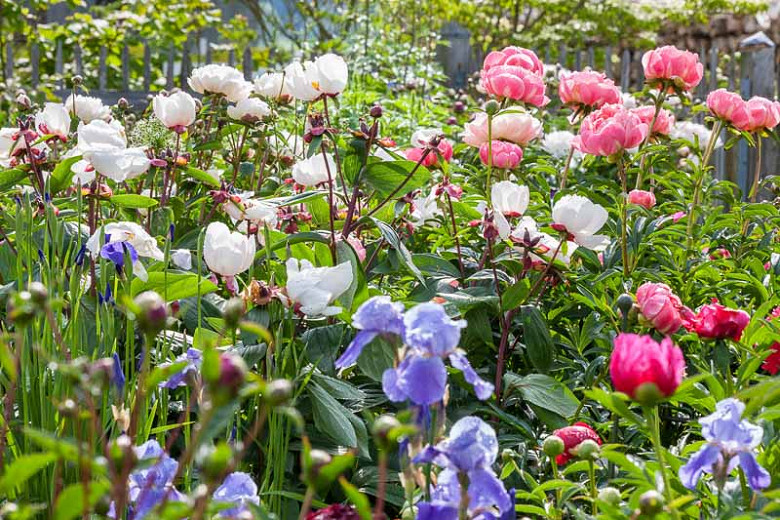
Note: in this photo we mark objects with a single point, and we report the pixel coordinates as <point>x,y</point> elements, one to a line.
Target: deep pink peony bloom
<point>672,64</point>
<point>728,106</point>
<point>678,215</point>
<point>714,321</point>
<point>444,149</point>
<point>638,360</point>
<point>572,436</point>
<point>516,57</point>
<point>661,307</point>
<point>609,130</point>
<point>513,82</point>
<point>506,155</point>
<point>663,123</point>
<point>588,88</point>
<point>643,198</point>
<point>762,113</point>
<point>772,363</point>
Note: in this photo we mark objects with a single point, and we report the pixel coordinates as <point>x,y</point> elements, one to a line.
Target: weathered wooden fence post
<point>456,55</point>
<point>757,79</point>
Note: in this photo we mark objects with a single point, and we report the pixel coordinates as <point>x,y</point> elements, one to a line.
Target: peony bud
<point>232,373</point>
<point>152,312</point>
<point>553,446</point>
<point>651,503</point>
<point>610,495</point>
<point>587,449</point>
<point>381,429</point>
<point>376,111</point>
<point>278,392</point>
<point>492,107</point>
<point>233,312</point>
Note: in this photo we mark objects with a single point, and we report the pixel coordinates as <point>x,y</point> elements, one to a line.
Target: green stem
<point>653,425</point>
<point>592,485</point>
<point>556,476</point>
<point>700,180</point>
<point>757,173</point>
<point>566,168</point>
<point>490,161</point>
<point>624,217</point>
<point>308,498</point>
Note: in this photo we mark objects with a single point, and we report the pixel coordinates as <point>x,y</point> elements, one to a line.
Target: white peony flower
<point>9,142</point>
<point>326,75</point>
<point>286,144</point>
<point>690,131</point>
<point>54,119</point>
<point>314,170</point>
<point>220,79</point>
<point>581,218</point>
<point>104,146</point>
<point>525,224</point>
<point>273,85</point>
<point>422,136</point>
<point>547,247</point>
<point>425,210</point>
<point>302,79</point>
<point>558,144</point>
<point>87,108</point>
<point>517,127</point>
<point>509,198</point>
<point>315,288</point>
<point>182,258</point>
<point>176,111</point>
<point>249,110</point>
<point>99,136</point>
<point>255,211</point>
<point>226,253</point>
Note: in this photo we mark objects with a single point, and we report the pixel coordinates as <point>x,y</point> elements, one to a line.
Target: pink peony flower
<point>762,113</point>
<point>514,56</point>
<point>661,307</point>
<point>669,63</point>
<point>513,82</point>
<point>505,155</point>
<point>638,361</point>
<point>663,123</point>
<point>517,127</point>
<point>588,88</point>
<point>714,321</point>
<point>728,106</point>
<point>643,198</point>
<point>678,215</point>
<point>444,149</point>
<point>609,130</point>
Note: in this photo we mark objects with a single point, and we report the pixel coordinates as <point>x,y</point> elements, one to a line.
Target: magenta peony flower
<point>638,362</point>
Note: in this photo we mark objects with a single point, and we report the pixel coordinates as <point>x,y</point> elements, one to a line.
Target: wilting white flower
<point>9,142</point>
<point>182,258</point>
<point>249,109</point>
<point>509,198</point>
<point>581,218</point>
<point>515,126</point>
<point>54,119</point>
<point>422,136</point>
<point>558,144</point>
<point>425,210</point>
<point>176,111</point>
<point>326,75</point>
<point>220,79</point>
<point>314,170</point>
<point>315,288</point>
<point>226,253</point>
<point>526,224</point>
<point>104,146</point>
<point>273,85</point>
<point>130,232</point>
<point>255,211</point>
<point>87,108</point>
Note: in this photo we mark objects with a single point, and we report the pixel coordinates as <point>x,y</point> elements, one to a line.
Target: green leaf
<point>133,201</point>
<point>392,238</point>
<point>376,357</point>
<point>70,502</point>
<point>331,417</point>
<point>202,176</point>
<point>538,343</point>
<point>21,469</point>
<point>543,391</point>
<point>357,499</point>
<point>173,285</point>
<point>62,176</point>
<point>386,176</point>
<point>516,294</point>
<point>11,177</point>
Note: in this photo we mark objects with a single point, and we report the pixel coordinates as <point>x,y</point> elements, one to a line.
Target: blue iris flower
<point>115,252</point>
<point>377,316</point>
<point>107,297</point>
<point>118,375</point>
<point>193,358</point>
<point>79,259</point>
<point>471,450</point>
<point>239,489</point>
<point>731,442</point>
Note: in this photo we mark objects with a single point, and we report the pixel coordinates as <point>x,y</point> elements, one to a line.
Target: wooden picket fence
<point>751,71</point>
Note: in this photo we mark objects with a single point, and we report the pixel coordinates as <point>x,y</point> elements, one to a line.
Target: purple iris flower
<point>115,252</point>
<point>108,297</point>
<point>731,442</point>
<point>79,259</point>
<point>239,489</point>
<point>471,450</point>
<point>378,315</point>
<point>149,485</point>
<point>422,376</point>
<point>117,374</point>
<point>193,357</point>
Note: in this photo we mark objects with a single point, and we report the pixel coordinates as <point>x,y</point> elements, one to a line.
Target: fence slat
<point>169,72</point>
<point>125,68</point>
<point>184,73</point>
<point>232,58</point>
<point>562,55</point>
<point>625,70</point>
<point>103,68</point>
<point>35,59</point>
<point>248,64</point>
<point>208,50</point>
<point>578,60</point>
<point>640,71</point>
<point>547,54</point>
<point>9,60</point>
<point>714,57</point>
<point>591,57</point>
<point>77,60</point>
<point>58,65</point>
<point>147,66</point>
<point>608,61</point>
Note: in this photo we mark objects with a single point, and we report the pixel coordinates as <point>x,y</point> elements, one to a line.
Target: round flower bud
<point>382,427</point>
<point>68,408</point>
<point>214,461</point>
<point>103,505</point>
<point>587,449</point>
<point>278,392</point>
<point>610,495</point>
<point>23,101</point>
<point>376,111</point>
<point>39,294</point>
<point>492,107</point>
<point>123,103</point>
<point>625,302</point>
<point>651,503</point>
<point>21,309</point>
<point>648,394</point>
<point>459,107</point>
<point>319,458</point>
<point>233,312</point>
<point>232,373</point>
<point>77,79</point>
<point>152,312</point>
<point>452,121</point>
<point>553,446</point>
